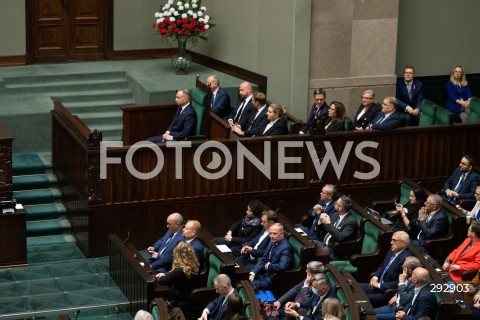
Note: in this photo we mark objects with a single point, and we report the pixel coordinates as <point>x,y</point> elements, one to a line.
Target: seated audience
<point>220,104</point>
<point>162,251</point>
<point>183,277</point>
<point>458,92</point>
<point>319,110</point>
<point>387,274</point>
<point>258,119</point>
<point>409,211</point>
<point>217,309</point>
<point>405,291</point>
<point>332,309</point>
<point>235,308</point>
<point>254,249</point>
<point>462,183</point>
<point>185,121</point>
<point>423,302</point>
<point>473,214</point>
<point>326,204</point>
<point>432,222</point>
<point>277,124</point>
<point>467,256</point>
<point>336,117</point>
<point>388,118</point>
<point>190,233</point>
<point>301,293</point>
<point>410,96</point>
<point>245,229</point>
<point>277,258</point>
<point>312,309</point>
<point>243,108</point>
<point>367,111</point>
<point>341,227</point>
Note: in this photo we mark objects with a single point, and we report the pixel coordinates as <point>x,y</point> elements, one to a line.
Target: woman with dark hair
<point>409,211</point>
<point>234,308</point>
<point>336,117</point>
<point>246,228</point>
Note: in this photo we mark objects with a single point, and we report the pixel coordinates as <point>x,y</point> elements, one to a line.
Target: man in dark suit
<point>321,290</point>
<point>162,251</point>
<point>319,110</point>
<point>277,258</point>
<point>326,204</point>
<point>258,120</point>
<point>424,303</point>
<point>220,98</point>
<point>185,121</point>
<point>243,108</point>
<point>254,249</point>
<point>341,227</point>
<point>301,293</point>
<point>432,222</point>
<point>387,274</point>
<point>217,308</point>
<point>410,96</point>
<point>388,118</point>
<point>462,183</point>
<point>190,233</point>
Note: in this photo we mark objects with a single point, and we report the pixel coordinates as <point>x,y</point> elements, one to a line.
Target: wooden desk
<point>13,239</point>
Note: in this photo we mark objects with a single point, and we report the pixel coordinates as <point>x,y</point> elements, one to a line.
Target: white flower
<point>206,26</point>
<point>190,12</point>
<point>172,10</point>
<point>166,7</point>
<point>176,13</point>
<point>157,14</point>
<point>194,1</point>
<point>159,20</point>
<point>179,3</point>
<point>187,5</point>
<point>180,8</point>
<point>194,15</point>
<point>203,8</point>
<point>166,14</point>
<point>172,19</point>
<point>207,17</point>
<point>194,5</point>
<point>201,19</point>
<point>184,15</point>
<point>170,1</point>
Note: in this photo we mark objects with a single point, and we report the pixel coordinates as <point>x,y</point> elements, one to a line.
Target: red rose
<point>185,20</point>
<point>179,21</point>
<point>169,31</point>
<point>173,25</point>
<point>202,23</point>
<point>175,30</point>
<point>180,32</point>
<point>186,33</point>
<point>204,30</point>
<point>165,20</point>
<point>197,30</point>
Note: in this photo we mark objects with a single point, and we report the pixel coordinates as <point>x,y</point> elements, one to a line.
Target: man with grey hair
<point>162,251</point>
<point>388,118</point>
<point>432,222</point>
<point>326,204</point>
<point>220,99</point>
<point>185,121</point>
<point>301,292</point>
<point>217,308</point>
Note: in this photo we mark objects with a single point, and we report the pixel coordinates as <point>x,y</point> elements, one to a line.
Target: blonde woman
<point>332,309</point>
<point>277,125</point>
<point>458,91</point>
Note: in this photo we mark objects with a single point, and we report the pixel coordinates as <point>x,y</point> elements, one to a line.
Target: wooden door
<point>66,30</point>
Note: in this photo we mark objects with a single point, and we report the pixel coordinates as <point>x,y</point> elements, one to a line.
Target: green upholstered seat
<point>297,251</point>
<point>474,115</point>
<point>243,295</point>
<point>404,193</point>
<point>429,113</point>
<point>156,313</point>
<point>444,117</point>
<point>348,124</point>
<point>214,269</point>
<point>198,103</point>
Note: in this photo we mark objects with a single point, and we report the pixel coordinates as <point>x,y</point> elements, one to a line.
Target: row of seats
<point>433,114</point>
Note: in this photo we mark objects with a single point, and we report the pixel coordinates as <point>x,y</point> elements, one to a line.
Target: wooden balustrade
<point>6,140</point>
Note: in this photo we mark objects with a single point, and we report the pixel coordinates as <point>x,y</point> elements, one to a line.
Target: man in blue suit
<point>410,96</point>
<point>258,120</point>
<point>462,183</point>
<point>319,110</point>
<point>424,303</point>
<point>387,274</point>
<point>185,121</point>
<point>243,108</point>
<point>162,251</point>
<point>254,249</point>
<point>388,118</point>
<point>277,258</point>
<point>220,98</point>
<point>190,233</point>
<point>326,204</point>
<point>217,309</point>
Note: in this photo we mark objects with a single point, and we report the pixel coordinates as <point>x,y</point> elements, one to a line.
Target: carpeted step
<point>58,86</point>
<point>104,106</point>
<point>47,227</point>
<point>45,211</point>
<point>98,95</point>
<point>47,240</point>
<point>53,252</point>
<point>13,81</point>
<point>37,196</point>
<point>28,164</point>
<point>37,181</point>
<point>97,119</point>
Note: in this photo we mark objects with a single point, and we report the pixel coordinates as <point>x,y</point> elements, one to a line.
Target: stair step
<point>45,211</point>
<point>68,86</point>
<point>100,95</point>
<point>37,196</point>
<point>27,164</point>
<point>47,227</point>
<point>94,106</point>
<point>33,181</point>
<point>64,77</point>
<point>48,240</point>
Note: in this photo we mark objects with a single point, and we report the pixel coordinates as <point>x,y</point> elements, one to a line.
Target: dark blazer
<point>246,114</point>
<point>183,125</point>
<point>241,235</point>
<point>467,190</point>
<point>317,314</point>
<point>279,128</point>
<point>256,125</point>
<point>298,293</point>
<point>390,278</point>
<point>280,259</point>
<point>261,247</point>
<point>338,125</point>
<point>405,292</point>
<point>437,227</point>
<point>404,99</point>
<point>330,210</point>
<point>198,249</point>
<point>221,105</point>
<point>345,231</point>
<point>425,305</point>
<point>367,117</point>
<point>217,308</point>
<point>163,263</point>
<point>314,115</point>
<point>392,122</point>
<point>180,285</point>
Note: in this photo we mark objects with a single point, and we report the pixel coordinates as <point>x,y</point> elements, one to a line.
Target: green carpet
<point>28,163</point>
<point>47,240</point>
<point>44,211</point>
<point>47,227</point>
<point>33,181</point>
<point>38,196</point>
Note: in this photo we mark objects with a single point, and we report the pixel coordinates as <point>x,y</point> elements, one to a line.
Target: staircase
<point>96,98</point>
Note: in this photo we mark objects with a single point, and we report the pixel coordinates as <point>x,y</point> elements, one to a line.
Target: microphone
<point>127,238</point>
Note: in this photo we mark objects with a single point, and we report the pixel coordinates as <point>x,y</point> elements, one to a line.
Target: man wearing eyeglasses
<point>388,118</point>
<point>318,112</point>
<point>410,96</point>
<point>462,183</point>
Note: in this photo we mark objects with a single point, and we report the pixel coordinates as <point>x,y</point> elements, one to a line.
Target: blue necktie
<point>386,268</point>
<point>459,185</point>
<point>478,215</point>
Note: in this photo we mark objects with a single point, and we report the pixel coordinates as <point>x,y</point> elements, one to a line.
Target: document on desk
<point>301,231</point>
<point>223,248</point>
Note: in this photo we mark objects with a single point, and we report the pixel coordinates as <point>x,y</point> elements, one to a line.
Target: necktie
<point>239,112</point>
<point>328,236</point>
<point>270,253</point>
<point>316,306</point>
<point>166,243</point>
<point>460,182</point>
<point>409,89</point>
<point>213,99</point>
<point>381,120</point>
<point>317,114</point>
<point>386,268</point>
<point>478,215</point>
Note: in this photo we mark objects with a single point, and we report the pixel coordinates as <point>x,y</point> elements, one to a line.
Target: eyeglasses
<point>429,203</point>
<point>407,72</point>
<point>367,98</point>
<point>396,240</point>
